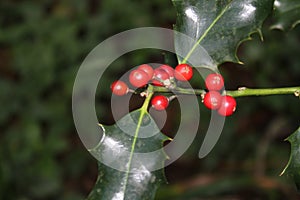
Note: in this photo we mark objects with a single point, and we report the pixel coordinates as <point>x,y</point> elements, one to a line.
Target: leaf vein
<point>206,32</point>
<point>143,112</point>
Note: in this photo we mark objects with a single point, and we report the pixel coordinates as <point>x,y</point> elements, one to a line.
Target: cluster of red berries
<point>163,76</point>
<point>225,105</point>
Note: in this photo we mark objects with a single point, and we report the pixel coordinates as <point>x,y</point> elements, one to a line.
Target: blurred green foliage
<point>42,44</point>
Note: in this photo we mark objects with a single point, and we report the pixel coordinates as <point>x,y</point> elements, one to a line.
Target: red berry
<point>212,100</point>
<point>214,82</point>
<point>160,102</point>
<point>160,77</point>
<point>168,69</point>
<point>228,106</point>
<point>119,88</point>
<point>148,69</point>
<point>138,78</point>
<point>183,72</point>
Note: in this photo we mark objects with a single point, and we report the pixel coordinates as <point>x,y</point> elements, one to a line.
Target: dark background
<point>42,45</point>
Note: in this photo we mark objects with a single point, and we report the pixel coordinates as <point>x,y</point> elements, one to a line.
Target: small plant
<point>224,25</point>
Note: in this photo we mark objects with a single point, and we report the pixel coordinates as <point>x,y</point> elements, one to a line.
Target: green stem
<point>179,90</point>
<point>241,92</point>
<point>150,91</point>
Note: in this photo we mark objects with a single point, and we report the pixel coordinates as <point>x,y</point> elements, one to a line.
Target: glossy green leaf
<point>131,159</point>
<point>218,26</point>
<point>287,14</point>
<point>293,167</point>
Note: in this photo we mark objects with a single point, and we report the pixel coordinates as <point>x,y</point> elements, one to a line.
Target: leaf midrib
<point>206,32</point>
<point>143,111</point>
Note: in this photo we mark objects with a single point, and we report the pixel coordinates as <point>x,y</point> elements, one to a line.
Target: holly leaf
<point>131,159</point>
<point>292,169</point>
<point>217,26</point>
<point>286,14</point>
